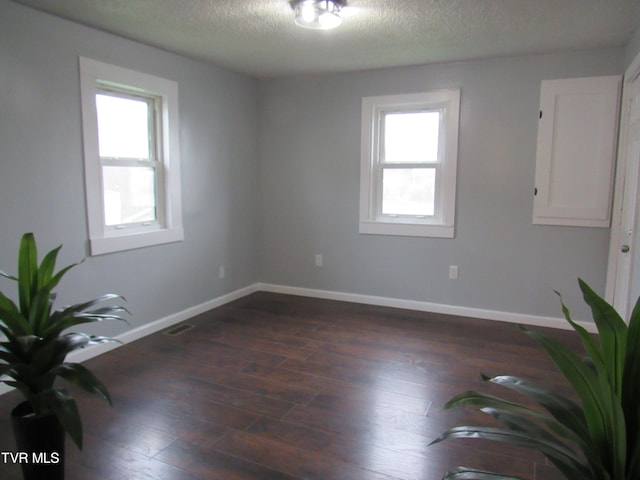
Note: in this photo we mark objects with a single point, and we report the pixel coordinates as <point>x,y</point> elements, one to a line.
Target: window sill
<point>102,245</point>
<point>407,229</point>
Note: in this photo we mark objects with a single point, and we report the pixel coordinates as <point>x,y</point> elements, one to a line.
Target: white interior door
<point>623,278</point>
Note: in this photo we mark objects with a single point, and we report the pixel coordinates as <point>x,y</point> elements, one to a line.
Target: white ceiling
<point>259,38</point>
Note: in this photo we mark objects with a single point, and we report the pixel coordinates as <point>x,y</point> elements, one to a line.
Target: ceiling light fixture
<point>318,14</point>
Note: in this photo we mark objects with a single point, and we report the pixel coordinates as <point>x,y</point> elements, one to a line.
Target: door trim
<point>631,75</point>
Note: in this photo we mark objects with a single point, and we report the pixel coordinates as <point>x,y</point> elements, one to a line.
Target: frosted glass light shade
<point>318,14</point>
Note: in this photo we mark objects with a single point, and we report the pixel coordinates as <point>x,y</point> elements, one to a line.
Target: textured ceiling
<point>259,38</point>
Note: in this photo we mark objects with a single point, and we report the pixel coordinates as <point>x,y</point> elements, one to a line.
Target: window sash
<point>382,135</point>
<point>379,203</point>
<point>158,213</point>
<point>154,122</point>
<point>382,164</point>
<point>153,161</point>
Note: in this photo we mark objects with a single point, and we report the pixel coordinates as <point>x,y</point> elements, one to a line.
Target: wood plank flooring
<point>283,387</point>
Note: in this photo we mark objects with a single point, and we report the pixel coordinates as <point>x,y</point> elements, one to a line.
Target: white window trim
<point>442,224</point>
<point>103,239</point>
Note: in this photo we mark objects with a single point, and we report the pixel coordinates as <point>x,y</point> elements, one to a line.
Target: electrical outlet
<point>319,260</point>
<point>453,272</point>
<point>221,272</point>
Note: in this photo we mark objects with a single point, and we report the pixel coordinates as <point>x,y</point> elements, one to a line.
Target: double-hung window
<point>128,148</point>
<point>408,167</point>
<point>130,126</point>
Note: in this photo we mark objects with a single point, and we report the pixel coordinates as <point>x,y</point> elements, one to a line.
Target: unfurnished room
<point>319,239</point>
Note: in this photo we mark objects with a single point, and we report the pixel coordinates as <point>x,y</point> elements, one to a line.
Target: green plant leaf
<point>595,358</point>
<point>547,446</point>
<point>53,351</point>
<point>561,408</point>
<point>10,315</point>
<point>53,282</point>
<point>605,359</point>
<point>7,304</point>
<point>11,345</point>
<point>633,460</point>
<point>75,315</point>
<point>27,272</point>
<point>572,470</point>
<point>97,340</point>
<point>80,376</point>
<point>7,276</point>
<point>18,346</point>
<point>65,408</point>
<point>612,334</point>
<point>27,376</point>
<point>26,342</point>
<point>22,388</point>
<point>583,380</point>
<point>465,473</point>
<point>47,265</point>
<point>631,389</point>
<point>8,357</point>
<point>110,310</point>
<point>489,403</point>
<point>81,307</point>
<point>601,409</point>
<point>40,311</point>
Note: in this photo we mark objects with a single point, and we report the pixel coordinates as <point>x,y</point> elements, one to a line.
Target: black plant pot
<point>40,444</point>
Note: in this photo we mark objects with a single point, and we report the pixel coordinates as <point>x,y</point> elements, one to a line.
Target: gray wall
<point>270,176</point>
<point>309,178</point>
<point>41,167</point>
<point>633,48</point>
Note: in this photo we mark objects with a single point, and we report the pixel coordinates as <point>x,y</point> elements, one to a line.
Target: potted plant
<point>597,438</point>
<point>32,356</point>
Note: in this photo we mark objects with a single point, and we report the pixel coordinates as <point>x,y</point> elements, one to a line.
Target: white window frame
<point>96,77</point>
<point>442,223</point>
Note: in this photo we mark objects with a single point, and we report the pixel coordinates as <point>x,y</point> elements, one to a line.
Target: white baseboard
<point>157,325</point>
<point>497,315</point>
<point>166,322</point>
<point>152,327</point>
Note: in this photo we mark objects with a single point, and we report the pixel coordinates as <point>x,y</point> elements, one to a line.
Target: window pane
<point>408,191</point>
<point>411,137</point>
<point>123,127</point>
<point>129,195</point>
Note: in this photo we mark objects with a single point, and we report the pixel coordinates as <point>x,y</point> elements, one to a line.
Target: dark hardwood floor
<point>283,387</point>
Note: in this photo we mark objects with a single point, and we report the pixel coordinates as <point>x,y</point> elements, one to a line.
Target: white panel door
<point>624,257</point>
<point>575,159</point>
